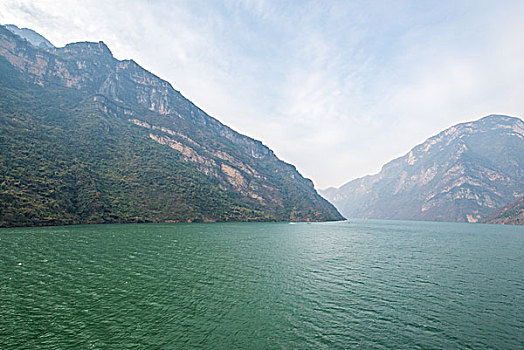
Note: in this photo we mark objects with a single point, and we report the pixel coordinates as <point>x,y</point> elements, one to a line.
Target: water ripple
<point>367,284</point>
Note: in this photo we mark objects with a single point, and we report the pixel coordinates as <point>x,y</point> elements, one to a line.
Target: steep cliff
<point>461,174</point>
<point>87,138</point>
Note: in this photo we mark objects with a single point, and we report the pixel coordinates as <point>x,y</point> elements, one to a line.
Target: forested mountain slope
<point>86,138</point>
<point>511,214</point>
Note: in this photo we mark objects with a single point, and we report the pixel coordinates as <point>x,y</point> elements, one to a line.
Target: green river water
<point>364,284</point>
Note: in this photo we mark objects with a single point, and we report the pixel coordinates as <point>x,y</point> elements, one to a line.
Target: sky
<point>337,88</point>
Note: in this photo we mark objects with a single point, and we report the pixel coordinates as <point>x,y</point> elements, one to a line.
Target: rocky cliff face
<point>157,113</point>
<point>461,174</point>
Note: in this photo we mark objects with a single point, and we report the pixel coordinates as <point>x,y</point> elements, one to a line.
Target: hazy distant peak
<point>490,122</point>
<point>461,174</point>
<point>512,126</point>
<point>499,118</point>
<point>31,36</point>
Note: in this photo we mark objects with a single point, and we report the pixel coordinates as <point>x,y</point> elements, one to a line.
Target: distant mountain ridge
<point>30,35</point>
<point>462,174</point>
<point>86,138</point>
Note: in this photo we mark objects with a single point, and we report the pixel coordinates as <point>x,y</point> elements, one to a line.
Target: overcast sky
<point>336,88</point>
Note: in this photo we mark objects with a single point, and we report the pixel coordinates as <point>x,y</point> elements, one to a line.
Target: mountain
<point>511,214</point>
<point>461,174</point>
<point>87,138</point>
<point>30,35</point>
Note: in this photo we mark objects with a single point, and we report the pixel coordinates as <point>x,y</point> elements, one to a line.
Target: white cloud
<point>336,88</point>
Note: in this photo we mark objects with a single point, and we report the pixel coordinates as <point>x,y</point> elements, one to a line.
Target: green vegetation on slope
<point>64,161</point>
<point>86,138</point>
<point>511,214</point>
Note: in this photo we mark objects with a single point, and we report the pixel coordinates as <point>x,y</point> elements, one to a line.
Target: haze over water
<point>371,284</point>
